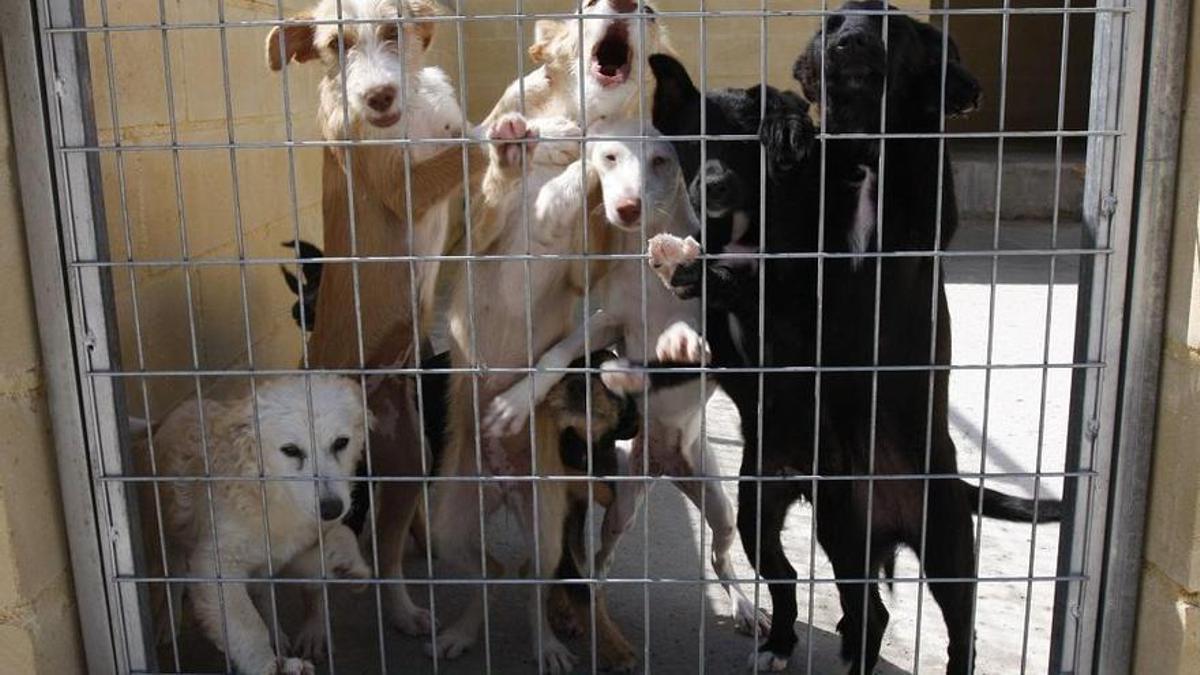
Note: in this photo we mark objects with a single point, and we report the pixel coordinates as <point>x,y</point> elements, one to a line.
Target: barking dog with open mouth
<point>375,86</point>
<point>609,43</point>
<point>311,451</point>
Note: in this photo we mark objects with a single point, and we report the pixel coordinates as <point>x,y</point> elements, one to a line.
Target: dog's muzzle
<point>332,507</point>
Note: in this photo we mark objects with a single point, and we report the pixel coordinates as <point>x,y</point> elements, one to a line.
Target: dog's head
<point>370,63</point>
<point>614,416</point>
<point>611,49</point>
<point>730,174</point>
<point>330,453</point>
<point>635,175</point>
<point>859,65</point>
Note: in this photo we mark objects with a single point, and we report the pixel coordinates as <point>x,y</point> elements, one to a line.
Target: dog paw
<point>617,378</point>
<point>415,621</point>
<point>767,662</point>
<point>309,642</point>
<point>504,132</point>
<point>557,659</point>
<point>451,644</point>
<point>508,412</point>
<point>551,150</point>
<point>746,618</point>
<point>680,343</point>
<point>290,666</point>
<point>667,252</point>
<point>562,618</point>
<point>619,658</point>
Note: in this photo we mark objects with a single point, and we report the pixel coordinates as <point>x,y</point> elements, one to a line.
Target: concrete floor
<point>680,626</point>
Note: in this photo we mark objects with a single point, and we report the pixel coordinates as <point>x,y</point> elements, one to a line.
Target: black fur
<point>305,285</point>
<point>898,401</point>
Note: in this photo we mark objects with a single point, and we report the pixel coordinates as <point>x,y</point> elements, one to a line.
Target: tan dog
<point>264,435</point>
<point>383,91</point>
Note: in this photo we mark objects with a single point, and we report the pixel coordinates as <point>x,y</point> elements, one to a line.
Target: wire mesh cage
<point>392,316</point>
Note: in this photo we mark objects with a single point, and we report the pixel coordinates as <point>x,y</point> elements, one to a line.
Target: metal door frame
<point>1128,208</point>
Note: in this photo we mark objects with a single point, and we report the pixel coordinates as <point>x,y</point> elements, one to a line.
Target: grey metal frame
<point>1131,144</point>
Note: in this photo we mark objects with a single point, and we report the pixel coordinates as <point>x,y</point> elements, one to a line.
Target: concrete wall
<point>1168,639</point>
<point>39,630</point>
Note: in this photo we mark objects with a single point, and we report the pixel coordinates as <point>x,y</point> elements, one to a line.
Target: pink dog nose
<point>380,98</point>
<point>629,210</point>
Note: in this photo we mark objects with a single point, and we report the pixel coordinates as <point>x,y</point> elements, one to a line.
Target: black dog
<point>305,284</point>
<point>894,512</point>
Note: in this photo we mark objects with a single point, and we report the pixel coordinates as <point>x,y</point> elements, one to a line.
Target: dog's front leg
<point>249,641</point>
<point>509,411</point>
<point>343,560</point>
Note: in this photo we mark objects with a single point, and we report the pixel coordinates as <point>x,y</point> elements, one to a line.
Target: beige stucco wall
<point>1168,639</point>
<point>39,631</point>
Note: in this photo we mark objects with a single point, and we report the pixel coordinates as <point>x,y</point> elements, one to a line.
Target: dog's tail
<point>1007,507</point>
<point>306,288</point>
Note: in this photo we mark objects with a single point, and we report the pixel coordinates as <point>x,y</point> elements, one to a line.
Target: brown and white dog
<point>376,86</point>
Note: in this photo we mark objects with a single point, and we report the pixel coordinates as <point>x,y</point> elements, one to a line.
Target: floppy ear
<point>292,43</point>
<point>545,33</point>
<point>674,92</point>
<point>423,30</point>
<point>963,92</point>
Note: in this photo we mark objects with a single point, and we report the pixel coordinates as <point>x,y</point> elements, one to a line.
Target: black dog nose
<point>850,41</point>
<point>380,99</point>
<point>331,508</point>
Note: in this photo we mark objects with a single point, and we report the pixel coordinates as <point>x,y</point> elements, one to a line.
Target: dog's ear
<point>674,92</point>
<point>291,42</point>
<point>963,92</point>
<point>546,32</point>
<point>423,30</point>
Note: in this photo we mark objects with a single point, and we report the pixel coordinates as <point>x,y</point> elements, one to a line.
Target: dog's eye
<point>389,33</point>
<point>610,158</point>
<point>591,3</point>
<point>292,450</point>
<point>339,444</point>
<point>347,40</point>
<point>658,162</point>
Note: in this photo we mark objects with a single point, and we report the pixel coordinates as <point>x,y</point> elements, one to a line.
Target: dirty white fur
<point>222,439</point>
<point>859,237</point>
<point>647,172</point>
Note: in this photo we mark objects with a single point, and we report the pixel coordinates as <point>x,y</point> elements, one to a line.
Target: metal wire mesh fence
<point>522,377</point>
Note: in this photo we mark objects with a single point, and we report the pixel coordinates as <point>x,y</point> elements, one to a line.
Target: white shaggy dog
<point>272,435</point>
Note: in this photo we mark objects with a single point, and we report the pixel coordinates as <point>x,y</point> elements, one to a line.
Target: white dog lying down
<point>636,178</point>
<point>225,537</point>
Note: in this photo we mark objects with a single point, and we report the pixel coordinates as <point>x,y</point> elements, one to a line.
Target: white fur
<point>650,172</point>
<point>221,439</point>
<point>865,212</point>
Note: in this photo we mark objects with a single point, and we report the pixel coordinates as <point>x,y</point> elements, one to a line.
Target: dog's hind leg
<point>396,452</point>
<point>950,554</point>
<point>551,504</point>
<point>718,512</point>
<point>842,535</point>
<point>770,561</point>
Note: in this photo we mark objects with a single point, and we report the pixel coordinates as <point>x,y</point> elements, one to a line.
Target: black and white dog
<point>863,424</point>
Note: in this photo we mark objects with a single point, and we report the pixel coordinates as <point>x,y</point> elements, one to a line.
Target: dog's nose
<point>629,210</point>
<point>331,508</point>
<point>380,99</point>
<point>850,41</point>
<point>624,6</point>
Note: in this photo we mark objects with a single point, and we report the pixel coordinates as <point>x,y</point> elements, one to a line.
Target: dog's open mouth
<point>384,121</point>
<point>611,56</point>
